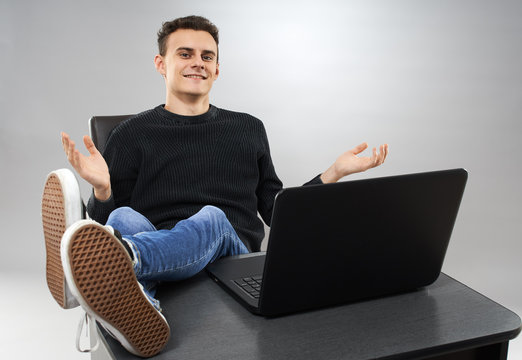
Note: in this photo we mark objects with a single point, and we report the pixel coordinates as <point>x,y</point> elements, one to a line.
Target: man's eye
<point>185,55</point>
<point>208,58</point>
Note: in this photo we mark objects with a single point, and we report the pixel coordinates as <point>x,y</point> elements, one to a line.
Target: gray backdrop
<point>440,81</point>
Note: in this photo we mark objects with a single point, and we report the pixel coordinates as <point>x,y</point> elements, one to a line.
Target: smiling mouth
<point>195,76</point>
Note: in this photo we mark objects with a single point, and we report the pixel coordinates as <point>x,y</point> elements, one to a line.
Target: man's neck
<point>187,106</point>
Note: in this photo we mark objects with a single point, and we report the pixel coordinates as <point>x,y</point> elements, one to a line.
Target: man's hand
<point>349,163</point>
<point>92,168</point>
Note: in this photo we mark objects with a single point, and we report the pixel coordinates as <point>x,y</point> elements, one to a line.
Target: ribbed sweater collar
<point>187,119</point>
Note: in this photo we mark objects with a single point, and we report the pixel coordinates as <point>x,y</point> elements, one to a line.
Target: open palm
<point>350,163</point>
<point>92,168</point>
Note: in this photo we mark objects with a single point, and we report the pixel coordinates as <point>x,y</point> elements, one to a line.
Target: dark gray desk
<point>446,320</point>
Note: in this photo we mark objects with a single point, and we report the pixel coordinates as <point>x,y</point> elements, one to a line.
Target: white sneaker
<point>98,270</point>
<point>62,206</point>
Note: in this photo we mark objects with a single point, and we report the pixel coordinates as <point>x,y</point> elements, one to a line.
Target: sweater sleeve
<point>315,181</point>
<point>269,184</point>
<point>123,171</point>
<point>100,210</point>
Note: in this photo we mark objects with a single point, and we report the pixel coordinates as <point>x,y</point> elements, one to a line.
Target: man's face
<point>190,63</point>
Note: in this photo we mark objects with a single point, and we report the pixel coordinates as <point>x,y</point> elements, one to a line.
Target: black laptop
<point>337,243</point>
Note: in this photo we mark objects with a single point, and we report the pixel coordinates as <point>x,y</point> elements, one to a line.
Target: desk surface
<point>206,323</point>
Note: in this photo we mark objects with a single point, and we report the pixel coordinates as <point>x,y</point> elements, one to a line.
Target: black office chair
<point>100,128</point>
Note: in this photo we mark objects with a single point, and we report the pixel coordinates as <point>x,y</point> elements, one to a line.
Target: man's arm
<point>349,163</point>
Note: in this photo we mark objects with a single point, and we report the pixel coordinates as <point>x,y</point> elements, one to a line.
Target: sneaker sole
<point>100,275</point>
<point>57,215</point>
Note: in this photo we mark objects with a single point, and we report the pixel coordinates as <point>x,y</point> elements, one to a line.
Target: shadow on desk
<point>446,320</point>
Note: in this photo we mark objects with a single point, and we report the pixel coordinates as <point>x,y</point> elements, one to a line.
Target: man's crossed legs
<point>113,274</point>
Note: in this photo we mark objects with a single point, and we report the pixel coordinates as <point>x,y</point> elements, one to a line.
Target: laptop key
<point>240,282</point>
<point>248,288</point>
<point>251,285</point>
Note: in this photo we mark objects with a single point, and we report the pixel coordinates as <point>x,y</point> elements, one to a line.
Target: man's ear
<point>159,63</point>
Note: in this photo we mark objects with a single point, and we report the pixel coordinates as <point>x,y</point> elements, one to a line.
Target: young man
<point>177,187</point>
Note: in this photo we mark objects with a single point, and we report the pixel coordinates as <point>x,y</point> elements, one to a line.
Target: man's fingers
<point>380,155</point>
<point>70,158</point>
<point>73,155</point>
<point>70,147</point>
<point>76,161</point>
<point>65,142</point>
<point>375,157</point>
<point>384,153</point>
<point>89,144</point>
<point>70,152</point>
<point>359,148</point>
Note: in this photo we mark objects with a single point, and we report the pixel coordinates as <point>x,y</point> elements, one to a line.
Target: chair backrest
<point>100,128</point>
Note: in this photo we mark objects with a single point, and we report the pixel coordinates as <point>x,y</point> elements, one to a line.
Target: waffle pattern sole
<point>53,219</point>
<point>104,278</point>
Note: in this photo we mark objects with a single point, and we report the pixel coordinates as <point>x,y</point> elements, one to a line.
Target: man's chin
<point>192,94</point>
<point>198,91</point>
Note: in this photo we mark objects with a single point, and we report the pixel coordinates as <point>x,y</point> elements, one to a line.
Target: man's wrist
<point>102,194</point>
<point>330,175</point>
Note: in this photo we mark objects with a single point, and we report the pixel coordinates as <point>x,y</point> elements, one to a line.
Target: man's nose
<point>198,62</point>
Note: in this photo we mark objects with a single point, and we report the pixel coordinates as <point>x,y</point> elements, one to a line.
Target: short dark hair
<point>192,22</point>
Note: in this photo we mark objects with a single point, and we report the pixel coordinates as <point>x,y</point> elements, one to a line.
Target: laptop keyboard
<point>251,285</point>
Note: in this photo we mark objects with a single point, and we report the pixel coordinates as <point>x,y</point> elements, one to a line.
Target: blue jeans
<point>178,253</point>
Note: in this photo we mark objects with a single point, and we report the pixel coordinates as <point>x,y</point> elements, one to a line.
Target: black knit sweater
<point>167,167</point>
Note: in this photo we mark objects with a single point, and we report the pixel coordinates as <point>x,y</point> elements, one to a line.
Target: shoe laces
<point>85,324</point>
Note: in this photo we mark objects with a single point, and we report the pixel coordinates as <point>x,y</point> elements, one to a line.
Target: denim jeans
<point>178,253</point>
